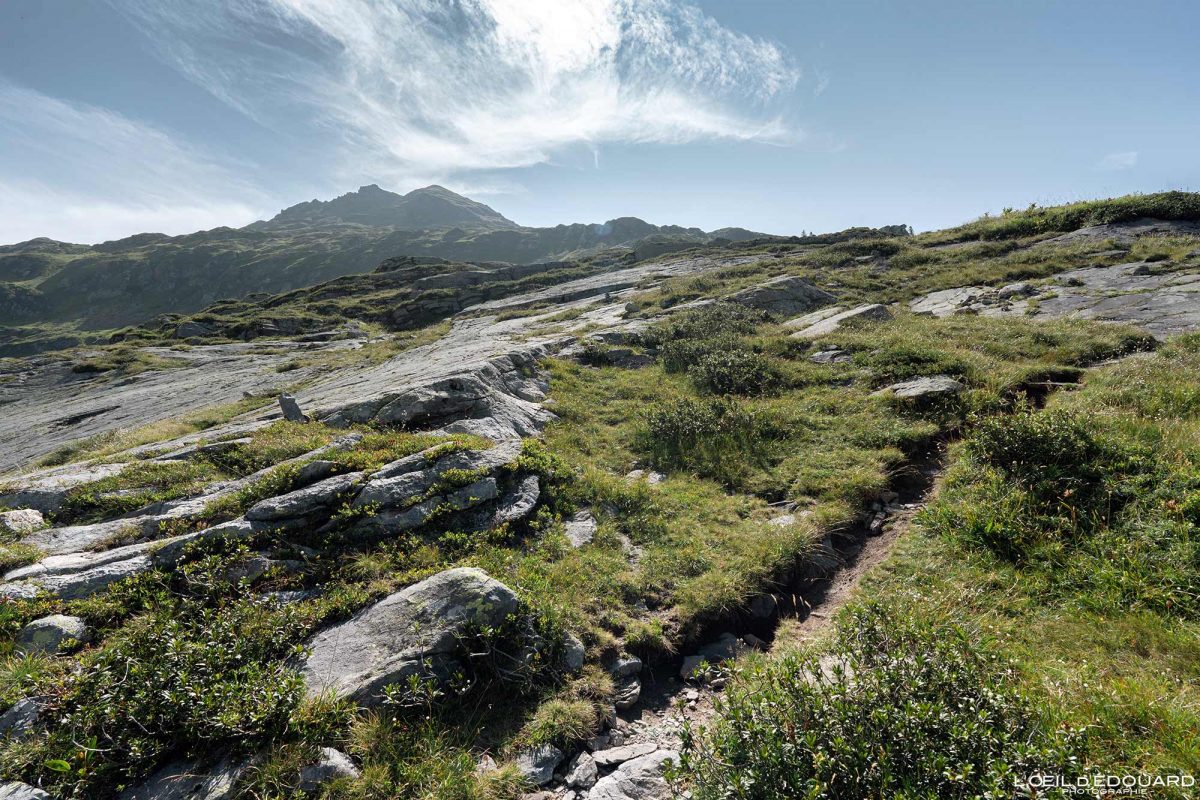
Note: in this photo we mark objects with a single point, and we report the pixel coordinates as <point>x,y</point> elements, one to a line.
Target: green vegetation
<point>1064,544</point>
<point>893,708</point>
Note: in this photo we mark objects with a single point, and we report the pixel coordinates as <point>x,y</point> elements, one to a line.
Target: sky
<point>125,116</point>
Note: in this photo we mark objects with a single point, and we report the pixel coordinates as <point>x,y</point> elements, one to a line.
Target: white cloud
<point>1118,161</point>
<point>124,177</point>
<point>426,89</point>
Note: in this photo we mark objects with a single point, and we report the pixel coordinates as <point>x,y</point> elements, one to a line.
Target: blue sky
<point>121,116</point>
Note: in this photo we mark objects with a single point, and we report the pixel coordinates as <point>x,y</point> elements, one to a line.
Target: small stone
<point>628,691</point>
<point>56,633</point>
<point>619,755</point>
<point>919,388</point>
<point>625,666</point>
<point>486,764</point>
<point>537,764</point>
<point>21,521</point>
<point>291,408</point>
<point>332,765</point>
<point>691,694</point>
<point>582,772</point>
<point>581,528</point>
<point>888,497</point>
<point>573,653</point>
<point>875,527</point>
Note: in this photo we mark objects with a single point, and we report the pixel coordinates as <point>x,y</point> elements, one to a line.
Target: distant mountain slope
<point>431,207</point>
<point>130,280</point>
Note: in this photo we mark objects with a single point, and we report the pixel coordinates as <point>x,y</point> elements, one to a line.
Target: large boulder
<point>784,296</point>
<point>415,632</point>
<point>638,779</point>
<point>54,634</point>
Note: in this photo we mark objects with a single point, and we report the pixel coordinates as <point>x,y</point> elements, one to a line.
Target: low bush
<point>735,372</point>
<point>896,708</point>
<point>720,438</point>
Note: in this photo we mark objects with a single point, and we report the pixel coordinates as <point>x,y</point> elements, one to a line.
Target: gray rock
<point>414,632</point>
<point>187,780</point>
<point>619,755</point>
<point>919,388</point>
<point>398,484</point>
<point>47,491</point>
<point>637,779</point>
<point>582,772</point>
<point>872,312</point>
<point>192,329</point>
<point>21,521</point>
<point>317,499</point>
<point>54,634</point>
<point>627,692</point>
<point>831,357</point>
<point>291,409</point>
<point>947,302</point>
<point>20,720</point>
<point>1012,290</point>
<point>784,296</point>
<point>537,764</point>
<point>519,502</point>
<point>581,528</point>
<point>13,790</point>
<point>573,653</point>
<point>725,648</point>
<point>625,666</point>
<point>331,765</point>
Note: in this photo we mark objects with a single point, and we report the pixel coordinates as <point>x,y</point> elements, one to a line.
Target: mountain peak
<point>429,207</point>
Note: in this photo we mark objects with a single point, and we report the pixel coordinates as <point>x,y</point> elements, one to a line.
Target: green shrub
<point>678,355</point>
<point>191,680</point>
<point>706,322</point>
<point>735,372</point>
<point>895,709</point>
<point>720,439</point>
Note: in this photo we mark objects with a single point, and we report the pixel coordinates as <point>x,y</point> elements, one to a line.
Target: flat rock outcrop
<point>1163,299</point>
<point>414,632</point>
<point>828,320</point>
<point>784,296</point>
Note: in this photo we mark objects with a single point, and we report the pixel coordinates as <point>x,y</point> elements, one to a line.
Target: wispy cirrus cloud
<point>83,173</point>
<point>418,89</point>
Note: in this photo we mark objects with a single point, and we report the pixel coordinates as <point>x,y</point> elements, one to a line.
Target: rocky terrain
<point>498,556</point>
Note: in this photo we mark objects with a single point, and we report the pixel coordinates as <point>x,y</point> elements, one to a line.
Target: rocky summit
<point>596,527</point>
